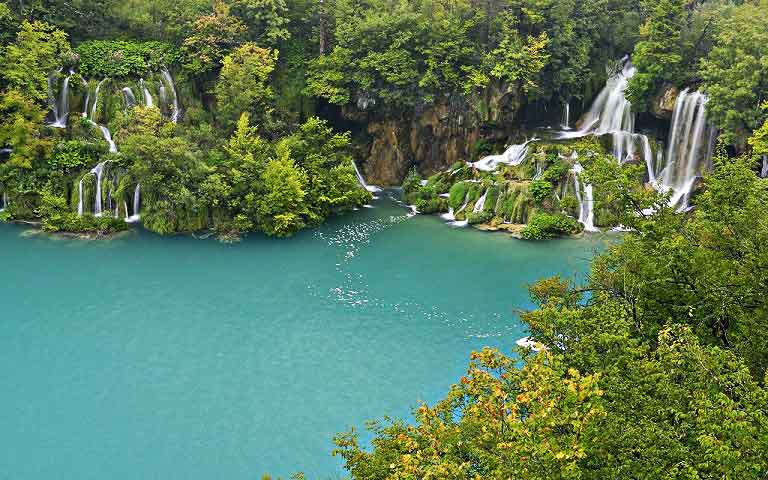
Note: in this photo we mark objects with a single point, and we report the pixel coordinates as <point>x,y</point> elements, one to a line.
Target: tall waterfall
<point>87,98</point>
<point>513,155</point>
<point>687,155</point>
<point>60,106</point>
<point>136,204</point>
<point>585,199</point>
<point>96,100</point>
<point>566,125</point>
<point>98,170</point>
<point>175,112</point>
<point>611,114</point>
<point>129,97</point>
<point>147,95</point>
<point>361,180</point>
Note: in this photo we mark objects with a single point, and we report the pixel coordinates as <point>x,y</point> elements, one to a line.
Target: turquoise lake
<point>157,358</point>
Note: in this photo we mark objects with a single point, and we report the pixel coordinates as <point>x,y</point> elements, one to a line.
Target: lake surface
<point>159,358</point>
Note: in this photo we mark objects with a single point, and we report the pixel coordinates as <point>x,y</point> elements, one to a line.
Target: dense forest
<point>236,116</point>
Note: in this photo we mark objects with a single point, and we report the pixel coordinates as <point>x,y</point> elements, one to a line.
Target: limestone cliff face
<point>435,137</point>
<point>663,103</point>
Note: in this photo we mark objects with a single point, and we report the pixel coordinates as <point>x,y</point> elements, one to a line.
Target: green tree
<point>213,37</point>
<point>243,84</point>
<point>38,51</point>
<point>282,207</point>
<point>735,73</point>
<point>658,54</point>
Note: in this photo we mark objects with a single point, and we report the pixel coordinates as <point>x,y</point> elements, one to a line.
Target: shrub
<point>457,194</point>
<point>120,58</point>
<point>479,217</point>
<point>412,181</point>
<point>546,225</point>
<point>540,190</point>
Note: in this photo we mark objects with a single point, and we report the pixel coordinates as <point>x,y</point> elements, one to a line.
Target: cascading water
<point>129,97</point>
<point>566,125</point>
<point>685,159</point>
<point>87,98</point>
<point>175,112</point>
<point>80,198</point>
<point>108,137</point>
<point>60,106</point>
<point>96,100</point>
<point>611,114</point>
<point>148,102</point>
<point>4,201</point>
<point>136,204</point>
<point>98,170</point>
<point>361,180</point>
<point>585,199</point>
<point>480,204</point>
<point>513,155</point>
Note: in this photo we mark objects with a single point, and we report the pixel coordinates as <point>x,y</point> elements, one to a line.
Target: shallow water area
<point>152,357</point>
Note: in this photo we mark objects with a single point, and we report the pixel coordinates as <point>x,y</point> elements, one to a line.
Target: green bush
<point>479,217</point>
<point>457,194</point>
<point>120,58</point>
<point>546,225</point>
<point>412,181</point>
<point>432,205</point>
<point>540,190</point>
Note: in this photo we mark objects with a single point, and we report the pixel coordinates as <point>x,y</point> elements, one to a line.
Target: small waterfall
<point>4,201</point>
<point>685,159</point>
<point>130,99</point>
<point>87,98</point>
<point>566,125</point>
<point>96,100</point>
<point>136,204</point>
<point>98,170</point>
<point>148,102</point>
<point>60,107</point>
<point>448,216</point>
<point>80,198</point>
<point>764,168</point>
<point>361,180</point>
<point>513,155</point>
<point>175,112</point>
<point>480,204</point>
<point>585,199</point>
<point>108,138</point>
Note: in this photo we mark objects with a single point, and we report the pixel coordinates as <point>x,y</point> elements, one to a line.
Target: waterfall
<point>513,155</point>
<point>480,204</point>
<point>585,199</point>
<point>448,216</point>
<point>175,112</point>
<point>764,168</point>
<point>96,100</point>
<point>136,204</point>
<point>60,107</point>
<point>4,201</point>
<point>98,170</point>
<point>361,180</point>
<point>147,96</point>
<point>108,138</point>
<point>566,125</point>
<point>80,198</point>
<point>611,113</point>
<point>685,160</point>
<point>87,99</point>
<point>130,99</point>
